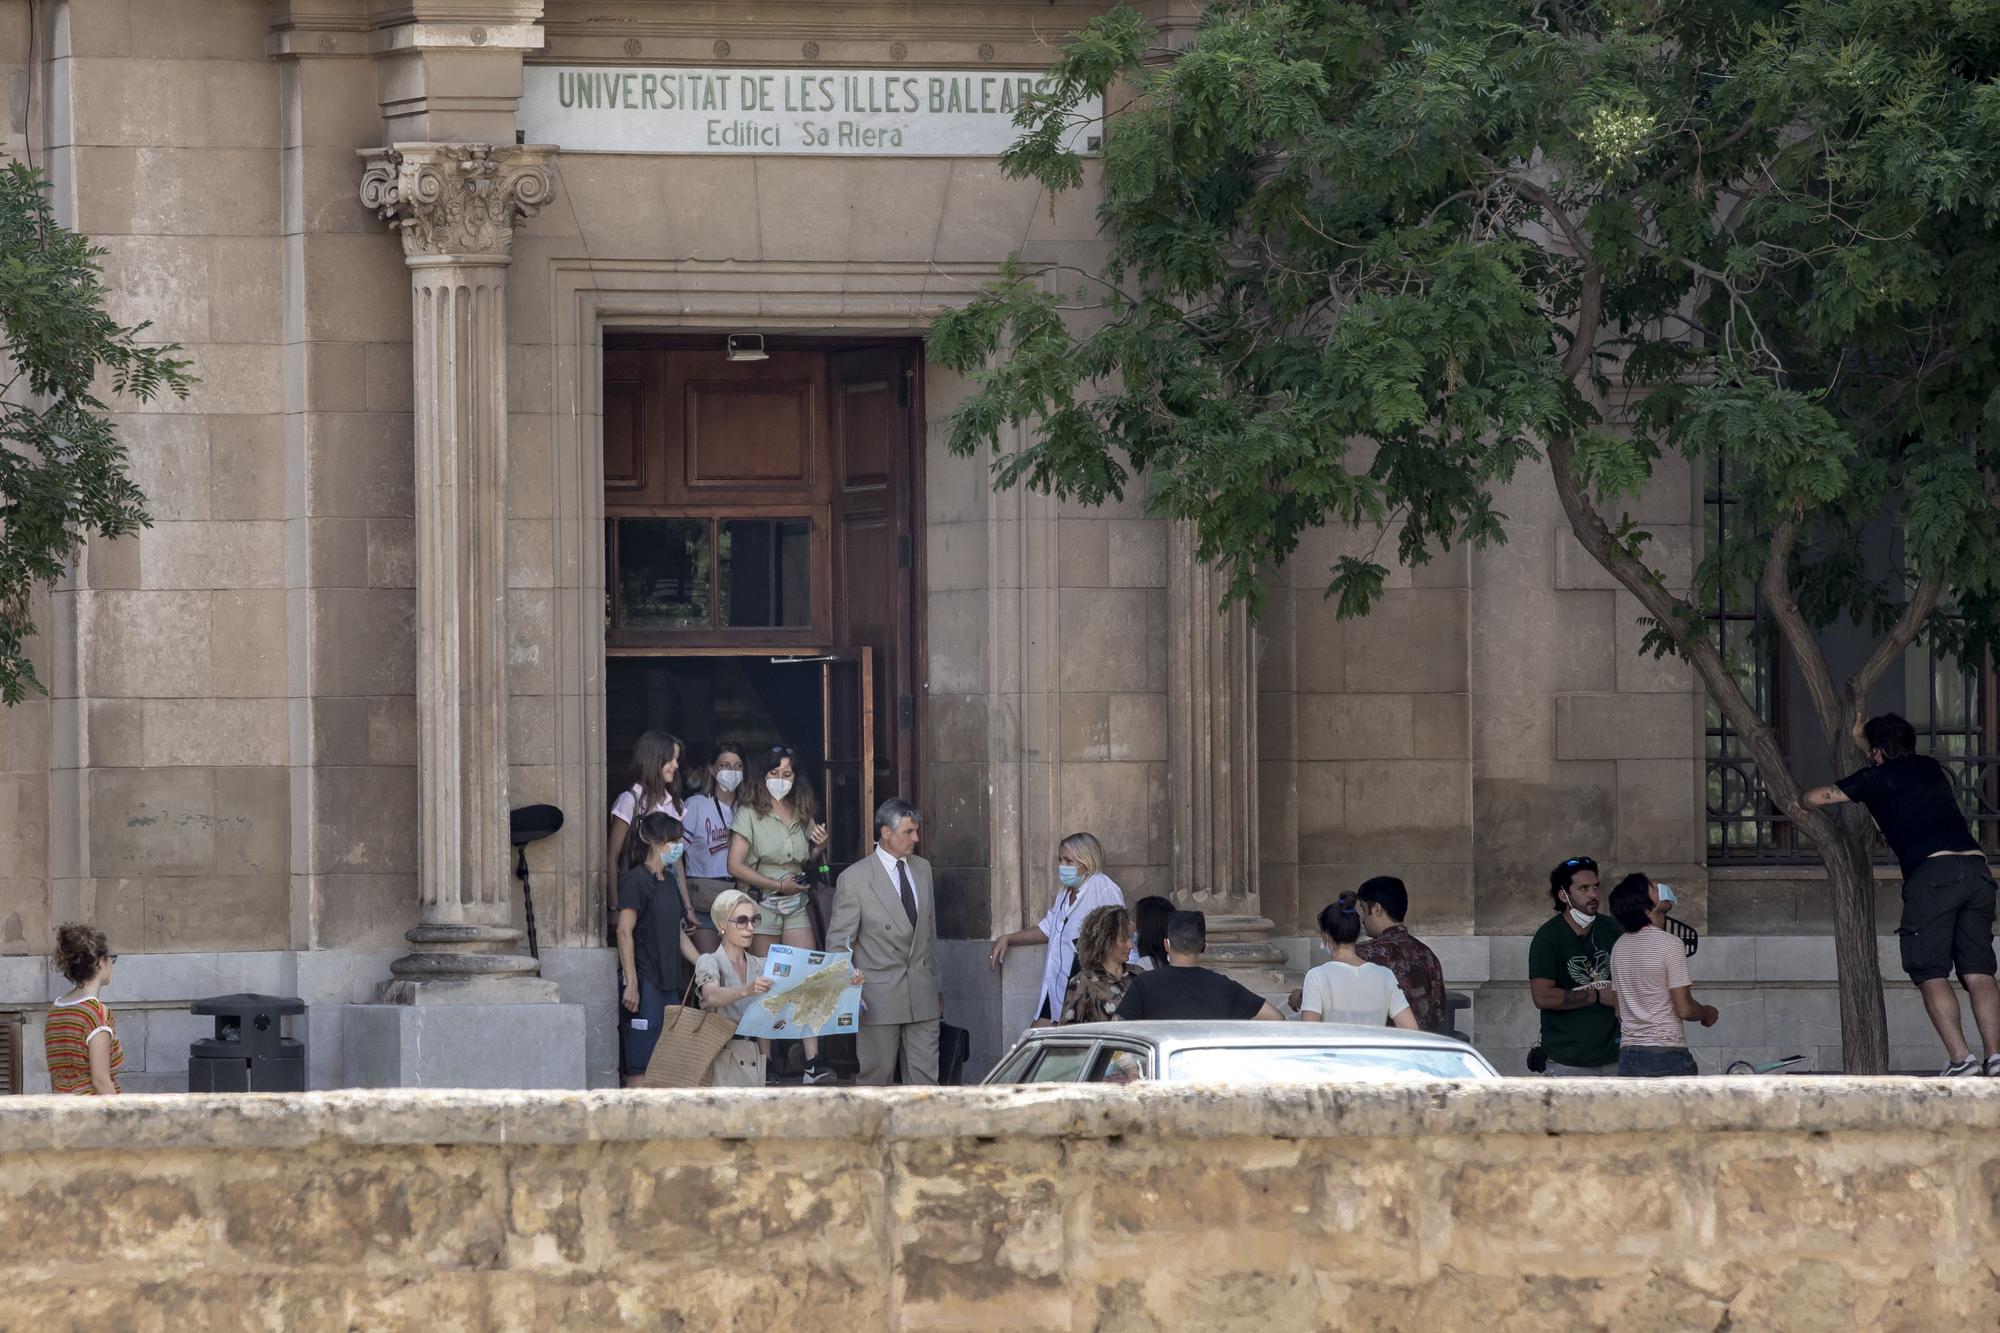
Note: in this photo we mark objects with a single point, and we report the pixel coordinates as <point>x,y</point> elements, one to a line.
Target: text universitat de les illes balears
<point>737,97</point>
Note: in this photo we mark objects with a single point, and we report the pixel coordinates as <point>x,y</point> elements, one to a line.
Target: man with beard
<point>1569,975</point>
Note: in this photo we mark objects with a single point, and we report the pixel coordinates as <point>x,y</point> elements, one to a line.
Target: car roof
<point>1181,1034</point>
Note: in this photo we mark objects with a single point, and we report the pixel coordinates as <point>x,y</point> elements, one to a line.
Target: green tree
<point>62,469</point>
<point>1368,260</point>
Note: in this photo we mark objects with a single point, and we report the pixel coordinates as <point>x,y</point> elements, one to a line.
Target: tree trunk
<point>1864,1025</point>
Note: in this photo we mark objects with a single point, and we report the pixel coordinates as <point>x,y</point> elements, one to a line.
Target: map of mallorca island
<point>809,996</point>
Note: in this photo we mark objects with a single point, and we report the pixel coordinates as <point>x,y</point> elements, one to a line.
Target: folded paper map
<point>809,996</point>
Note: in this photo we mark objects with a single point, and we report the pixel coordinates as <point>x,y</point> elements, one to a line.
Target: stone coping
<point>404,1117</point>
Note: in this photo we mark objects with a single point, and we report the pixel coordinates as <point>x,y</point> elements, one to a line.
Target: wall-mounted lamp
<point>746,347</point>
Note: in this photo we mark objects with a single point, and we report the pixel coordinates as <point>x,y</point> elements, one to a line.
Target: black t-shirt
<point>1188,992</point>
<point>656,938</point>
<point>1914,804</point>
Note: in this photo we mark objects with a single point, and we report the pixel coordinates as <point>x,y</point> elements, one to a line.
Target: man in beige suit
<point>884,910</point>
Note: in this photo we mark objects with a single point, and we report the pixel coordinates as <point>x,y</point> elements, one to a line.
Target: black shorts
<point>1947,920</point>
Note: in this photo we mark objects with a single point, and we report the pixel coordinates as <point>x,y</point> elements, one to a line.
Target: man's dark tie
<point>909,894</point>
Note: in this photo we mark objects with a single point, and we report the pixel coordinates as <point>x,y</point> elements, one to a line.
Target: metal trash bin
<point>249,1051</point>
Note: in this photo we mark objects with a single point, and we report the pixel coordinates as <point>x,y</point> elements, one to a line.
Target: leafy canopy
<point>62,470</point>
<point>1366,260</point>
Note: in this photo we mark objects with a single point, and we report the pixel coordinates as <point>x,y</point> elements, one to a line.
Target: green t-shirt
<point>1586,1037</point>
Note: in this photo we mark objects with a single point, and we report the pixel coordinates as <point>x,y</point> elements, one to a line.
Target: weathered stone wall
<point>1785,1204</point>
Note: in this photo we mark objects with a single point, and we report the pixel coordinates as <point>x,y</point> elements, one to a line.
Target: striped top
<point>67,1035</point>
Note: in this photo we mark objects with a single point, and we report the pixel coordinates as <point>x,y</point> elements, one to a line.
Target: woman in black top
<point>652,936</point>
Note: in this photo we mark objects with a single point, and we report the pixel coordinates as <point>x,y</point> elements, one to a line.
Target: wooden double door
<point>768,509</point>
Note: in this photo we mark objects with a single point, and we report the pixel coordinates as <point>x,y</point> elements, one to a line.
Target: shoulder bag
<point>690,1039</point>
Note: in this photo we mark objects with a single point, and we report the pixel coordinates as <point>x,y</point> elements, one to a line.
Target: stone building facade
<point>287,721</point>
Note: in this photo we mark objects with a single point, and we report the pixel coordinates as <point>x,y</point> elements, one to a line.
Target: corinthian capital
<point>457,200</point>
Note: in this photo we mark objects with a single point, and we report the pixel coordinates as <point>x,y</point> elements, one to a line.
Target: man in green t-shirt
<point>1569,975</point>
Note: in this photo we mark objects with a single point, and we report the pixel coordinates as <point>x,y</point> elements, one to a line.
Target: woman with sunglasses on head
<point>774,836</point>
<point>656,764</point>
<point>706,819</point>
<point>82,1045</point>
<point>652,937</point>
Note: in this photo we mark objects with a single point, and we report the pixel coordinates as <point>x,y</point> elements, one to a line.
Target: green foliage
<point>1353,247</point>
<point>62,470</point>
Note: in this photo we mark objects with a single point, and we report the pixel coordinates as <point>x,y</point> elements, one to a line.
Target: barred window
<point>1951,706</point>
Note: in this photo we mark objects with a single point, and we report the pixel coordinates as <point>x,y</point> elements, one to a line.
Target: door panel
<point>745,436</point>
<point>745,431</point>
<point>847,754</point>
<point>625,454</point>
<point>874,575</point>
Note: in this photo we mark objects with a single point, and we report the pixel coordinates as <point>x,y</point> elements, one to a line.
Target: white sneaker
<point>1993,1066</point>
<point>1967,1068</point>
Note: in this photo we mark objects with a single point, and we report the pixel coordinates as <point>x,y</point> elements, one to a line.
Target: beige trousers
<point>879,1043</point>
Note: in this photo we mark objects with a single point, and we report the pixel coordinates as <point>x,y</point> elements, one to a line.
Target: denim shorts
<point>1656,1062</point>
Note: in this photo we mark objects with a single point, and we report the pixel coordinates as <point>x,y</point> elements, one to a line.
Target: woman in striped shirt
<point>84,1054</point>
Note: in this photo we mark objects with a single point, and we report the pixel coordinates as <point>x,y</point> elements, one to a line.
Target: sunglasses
<point>742,921</point>
<point>783,751</point>
<point>111,957</point>
<point>1580,863</point>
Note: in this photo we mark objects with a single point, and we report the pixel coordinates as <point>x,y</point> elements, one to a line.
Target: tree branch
<point>1590,300</point>
<point>1776,585</point>
<point>1916,611</point>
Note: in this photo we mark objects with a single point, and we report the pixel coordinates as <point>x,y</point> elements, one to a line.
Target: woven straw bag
<point>690,1039</point>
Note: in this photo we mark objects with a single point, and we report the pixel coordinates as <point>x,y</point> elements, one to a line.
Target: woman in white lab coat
<point>1082,888</point>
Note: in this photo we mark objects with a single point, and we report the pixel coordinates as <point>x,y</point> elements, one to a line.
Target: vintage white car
<point>1235,1052</point>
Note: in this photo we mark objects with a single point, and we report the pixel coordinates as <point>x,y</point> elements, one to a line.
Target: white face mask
<point>779,788</point>
<point>729,779</point>
<point>1582,919</point>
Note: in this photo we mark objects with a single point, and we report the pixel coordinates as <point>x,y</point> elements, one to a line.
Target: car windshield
<point>1319,1064</point>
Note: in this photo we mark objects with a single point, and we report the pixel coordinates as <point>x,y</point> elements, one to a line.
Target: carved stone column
<point>456,206</point>
<point>1212,764</point>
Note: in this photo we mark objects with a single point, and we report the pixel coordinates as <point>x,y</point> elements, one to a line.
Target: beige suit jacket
<point>897,961</point>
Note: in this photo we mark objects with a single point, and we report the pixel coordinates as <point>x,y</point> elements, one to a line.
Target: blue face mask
<point>1071,876</point>
<point>672,853</point>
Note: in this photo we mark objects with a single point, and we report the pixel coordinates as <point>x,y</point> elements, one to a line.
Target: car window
<point>1015,1065</point>
<point>1321,1064</point>
<point>1117,1064</point>
<point>1061,1062</point>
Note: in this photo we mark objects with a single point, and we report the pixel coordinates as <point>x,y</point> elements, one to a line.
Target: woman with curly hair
<point>83,1050</point>
<point>1101,976</point>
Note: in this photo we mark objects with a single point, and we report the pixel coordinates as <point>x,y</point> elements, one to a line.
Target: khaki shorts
<point>778,913</point>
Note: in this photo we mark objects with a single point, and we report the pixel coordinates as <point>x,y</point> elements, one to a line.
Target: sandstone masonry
<point>1786,1204</point>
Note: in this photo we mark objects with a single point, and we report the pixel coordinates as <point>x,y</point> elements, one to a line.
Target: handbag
<point>690,1039</point>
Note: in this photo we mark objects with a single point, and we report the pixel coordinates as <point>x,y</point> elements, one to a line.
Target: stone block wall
<point>169,798</point>
<point>1781,1204</point>
<point>1491,716</point>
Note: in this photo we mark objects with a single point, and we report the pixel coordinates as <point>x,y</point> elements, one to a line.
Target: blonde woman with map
<point>728,980</point>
